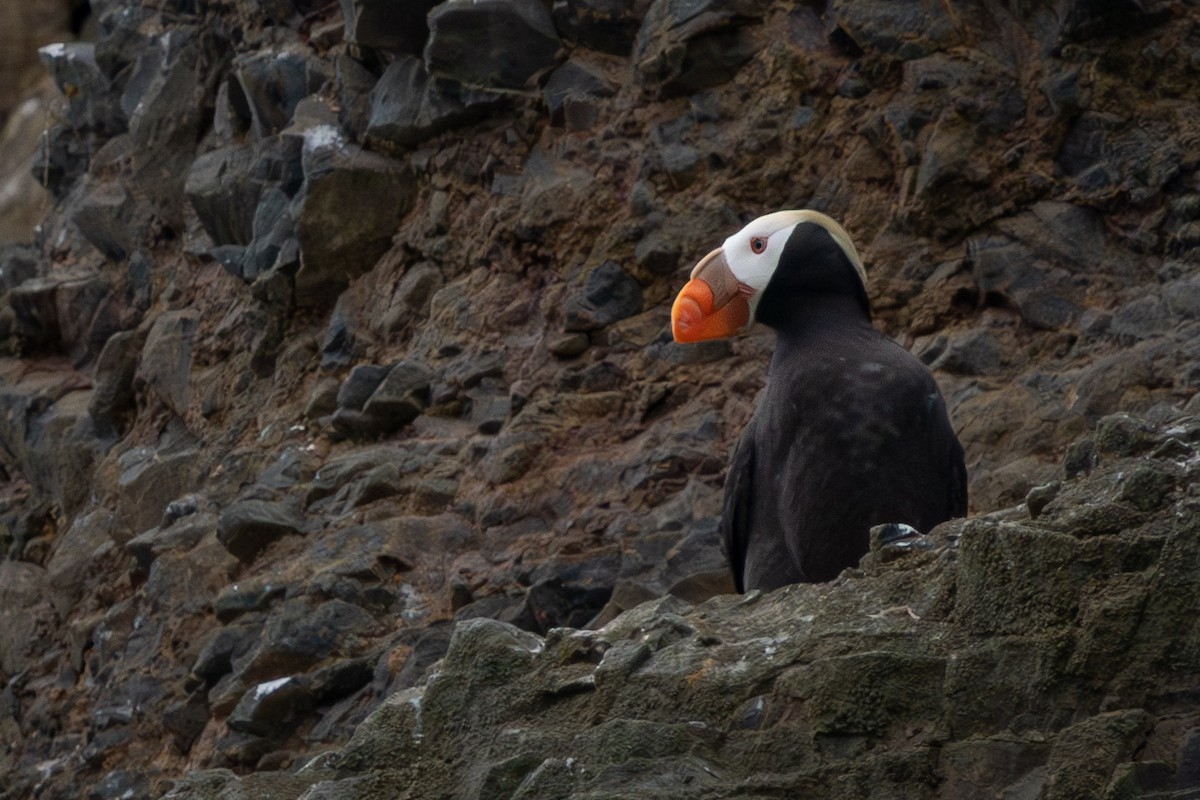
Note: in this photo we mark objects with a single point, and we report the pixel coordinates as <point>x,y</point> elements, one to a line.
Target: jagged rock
<point>102,218</point>
<point>25,605</point>
<point>401,395</point>
<point>182,536</point>
<point>408,106</point>
<point>299,634</point>
<point>91,103</point>
<point>476,42</point>
<point>683,47</point>
<point>360,384</point>
<point>172,112</point>
<point>609,294</point>
<point>606,25</point>
<point>18,264</point>
<point>272,84</point>
<point>569,86</point>
<point>352,202</point>
<point>112,392</point>
<point>271,708</point>
<point>226,186</point>
<point>166,361</point>
<point>249,526</point>
<point>75,553</point>
<point>149,480</point>
<point>393,27</point>
<point>907,30</point>
<point>490,407</point>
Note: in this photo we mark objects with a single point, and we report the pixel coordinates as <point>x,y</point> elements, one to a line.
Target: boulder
<point>393,27</point>
<point>409,106</point>
<point>351,204</point>
<point>606,25</point>
<point>683,46</point>
<point>166,363</point>
<point>247,527</point>
<point>503,43</point>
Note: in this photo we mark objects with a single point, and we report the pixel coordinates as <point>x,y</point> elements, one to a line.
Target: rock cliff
<point>339,402</point>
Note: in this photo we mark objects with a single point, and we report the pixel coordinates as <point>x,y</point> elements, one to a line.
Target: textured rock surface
<point>343,352</point>
<point>952,668</point>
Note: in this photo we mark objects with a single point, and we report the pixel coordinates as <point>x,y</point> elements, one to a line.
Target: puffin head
<point>763,270</point>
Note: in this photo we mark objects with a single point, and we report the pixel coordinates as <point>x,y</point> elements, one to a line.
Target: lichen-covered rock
<point>953,668</point>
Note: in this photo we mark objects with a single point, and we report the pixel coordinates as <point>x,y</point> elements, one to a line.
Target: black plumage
<point>850,432</point>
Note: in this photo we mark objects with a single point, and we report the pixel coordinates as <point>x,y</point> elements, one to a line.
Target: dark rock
<point>907,30</point>
<point>229,644</point>
<point>182,536</point>
<point>402,395</point>
<point>246,596</point>
<point>388,26</point>
<point>171,114</point>
<point>685,46</point>
<point>1087,19</point>
<point>102,217</point>
<point>75,553</point>
<point>185,720</point>
<point>25,606</point>
<point>272,708</point>
<point>490,408</point>
<point>973,352</point>
<point>610,294</point>
<point>273,84</point>
<point>225,187</point>
<point>167,358</point>
<point>606,25</point>
<point>149,480</point>
<point>351,205</point>
<point>572,82</point>
<point>91,105</point>
<point>248,526</point>
<point>510,455</point>
<point>354,86</point>
<point>569,345</point>
<point>17,265</point>
<point>360,384</point>
<point>71,313</point>
<point>298,635</point>
<point>408,106</point>
<point>112,384</point>
<point>476,43</point>
<point>1009,272</point>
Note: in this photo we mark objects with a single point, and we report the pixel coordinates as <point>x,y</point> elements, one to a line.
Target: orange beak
<point>712,304</point>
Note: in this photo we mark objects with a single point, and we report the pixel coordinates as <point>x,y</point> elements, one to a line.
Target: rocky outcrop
<point>344,352</point>
<point>1047,650</point>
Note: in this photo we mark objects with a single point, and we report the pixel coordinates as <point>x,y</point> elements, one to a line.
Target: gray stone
<point>572,82</point>
<point>354,86</point>
<point>149,480</point>
<point>91,104</point>
<point>606,25</point>
<point>75,554</point>
<point>490,408</point>
<point>352,203</point>
<point>247,527</point>
<point>25,606</point>
<point>396,27</point>
<point>907,30</point>
<point>504,43</point>
<point>180,536</point>
<point>272,84</point>
<point>18,264</point>
<point>360,384</point>
<point>402,395</point>
<point>102,217</point>
<point>300,634</point>
<point>973,352</point>
<point>112,393</point>
<point>684,46</point>
<point>409,107</point>
<point>166,361</point>
<point>272,708</point>
<point>610,294</point>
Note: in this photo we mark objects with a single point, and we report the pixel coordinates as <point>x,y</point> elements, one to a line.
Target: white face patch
<point>754,269</point>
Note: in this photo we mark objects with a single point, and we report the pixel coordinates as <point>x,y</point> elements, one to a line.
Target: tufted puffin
<point>850,431</point>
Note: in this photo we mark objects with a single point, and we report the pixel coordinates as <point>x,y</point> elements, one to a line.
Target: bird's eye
<point>758,243</point>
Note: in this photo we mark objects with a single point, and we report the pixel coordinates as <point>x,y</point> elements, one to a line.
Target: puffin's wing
<point>735,514</point>
<point>958,482</point>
